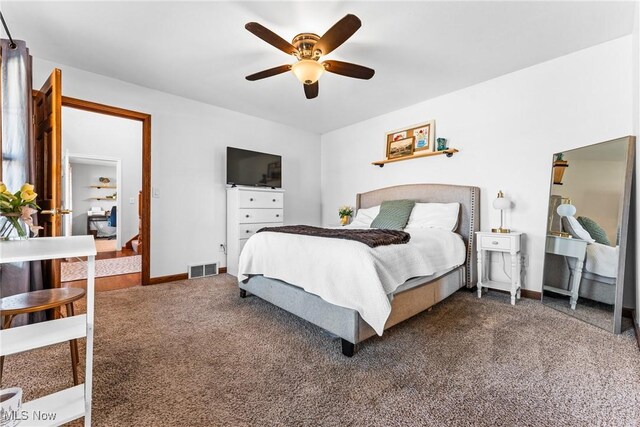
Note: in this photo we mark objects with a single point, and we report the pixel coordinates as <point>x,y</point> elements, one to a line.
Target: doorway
<point>101,183</point>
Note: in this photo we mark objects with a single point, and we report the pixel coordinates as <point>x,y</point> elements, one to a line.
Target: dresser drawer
<point>260,199</point>
<point>493,243</point>
<point>241,244</point>
<point>255,216</point>
<point>247,230</point>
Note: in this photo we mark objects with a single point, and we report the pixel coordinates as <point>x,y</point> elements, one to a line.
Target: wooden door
<point>47,111</point>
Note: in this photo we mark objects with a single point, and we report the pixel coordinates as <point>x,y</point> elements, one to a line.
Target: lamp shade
<point>307,71</point>
<point>501,202</point>
<point>566,209</point>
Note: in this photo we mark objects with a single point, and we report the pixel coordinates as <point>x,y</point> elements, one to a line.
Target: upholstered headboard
<point>468,222</point>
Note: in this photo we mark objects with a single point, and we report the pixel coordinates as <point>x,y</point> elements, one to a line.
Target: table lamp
<point>501,203</point>
<point>565,208</point>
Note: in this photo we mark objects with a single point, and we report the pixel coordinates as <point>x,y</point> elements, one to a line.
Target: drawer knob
<point>247,215</point>
<point>251,199</point>
<point>277,215</point>
<point>493,243</point>
<point>274,200</point>
<point>247,231</point>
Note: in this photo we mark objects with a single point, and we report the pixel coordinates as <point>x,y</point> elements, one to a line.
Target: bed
<point>405,299</point>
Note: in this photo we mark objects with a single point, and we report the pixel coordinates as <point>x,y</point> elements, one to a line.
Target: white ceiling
<point>420,50</point>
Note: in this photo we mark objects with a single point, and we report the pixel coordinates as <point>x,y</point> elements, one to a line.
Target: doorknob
<point>64,211</point>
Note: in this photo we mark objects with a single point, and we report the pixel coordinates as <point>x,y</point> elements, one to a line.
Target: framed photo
<point>423,134</point>
<point>400,148</point>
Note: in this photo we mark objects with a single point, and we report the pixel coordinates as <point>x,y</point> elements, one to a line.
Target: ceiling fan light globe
<point>307,71</point>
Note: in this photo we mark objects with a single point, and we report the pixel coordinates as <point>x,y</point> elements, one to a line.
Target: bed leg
<point>243,293</point>
<point>348,349</point>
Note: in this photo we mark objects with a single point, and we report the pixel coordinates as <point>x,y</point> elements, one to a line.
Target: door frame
<point>118,164</point>
<point>145,118</point>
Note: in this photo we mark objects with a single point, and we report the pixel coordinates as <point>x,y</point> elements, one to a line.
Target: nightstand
<point>505,243</point>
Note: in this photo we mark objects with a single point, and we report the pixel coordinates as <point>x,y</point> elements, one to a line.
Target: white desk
<point>74,402</point>
<point>568,247</point>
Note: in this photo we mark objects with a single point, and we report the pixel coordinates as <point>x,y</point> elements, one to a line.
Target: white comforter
<point>348,273</point>
<point>602,260</point>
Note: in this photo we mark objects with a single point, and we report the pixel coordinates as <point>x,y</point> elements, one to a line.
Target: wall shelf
<point>448,152</point>
<point>104,198</point>
<point>103,186</point>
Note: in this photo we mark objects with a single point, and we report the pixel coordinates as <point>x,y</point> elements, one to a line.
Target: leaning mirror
<point>587,232</point>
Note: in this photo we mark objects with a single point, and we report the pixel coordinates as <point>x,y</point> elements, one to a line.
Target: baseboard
<point>176,277</point>
<point>528,293</point>
<point>169,278</point>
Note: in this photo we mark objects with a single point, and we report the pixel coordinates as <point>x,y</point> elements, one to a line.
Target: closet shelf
<point>103,186</point>
<point>103,198</point>
<point>449,152</point>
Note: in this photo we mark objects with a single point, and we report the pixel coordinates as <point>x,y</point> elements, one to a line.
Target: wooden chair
<point>31,302</point>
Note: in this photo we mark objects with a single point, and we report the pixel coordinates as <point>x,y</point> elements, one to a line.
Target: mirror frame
<point>627,242</point>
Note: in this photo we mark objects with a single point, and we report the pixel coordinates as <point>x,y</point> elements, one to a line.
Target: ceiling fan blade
<point>311,91</point>
<point>338,34</point>
<point>348,69</point>
<point>270,37</point>
<point>268,73</point>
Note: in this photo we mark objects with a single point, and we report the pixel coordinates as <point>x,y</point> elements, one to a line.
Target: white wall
<point>189,140</point>
<point>112,137</point>
<point>84,197</point>
<point>506,129</point>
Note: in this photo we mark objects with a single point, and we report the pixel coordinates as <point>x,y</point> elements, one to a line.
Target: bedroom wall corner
<point>507,130</point>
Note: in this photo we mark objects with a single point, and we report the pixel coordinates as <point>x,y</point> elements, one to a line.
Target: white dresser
<point>248,210</point>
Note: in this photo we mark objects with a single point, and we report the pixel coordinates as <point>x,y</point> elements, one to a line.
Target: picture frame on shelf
<point>423,135</point>
<point>403,147</point>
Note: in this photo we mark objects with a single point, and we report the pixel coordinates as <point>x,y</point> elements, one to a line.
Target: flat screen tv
<point>253,169</point>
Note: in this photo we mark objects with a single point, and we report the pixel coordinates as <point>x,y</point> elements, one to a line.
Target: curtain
<point>17,159</point>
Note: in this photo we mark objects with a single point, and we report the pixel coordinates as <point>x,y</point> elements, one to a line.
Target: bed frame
<point>347,323</point>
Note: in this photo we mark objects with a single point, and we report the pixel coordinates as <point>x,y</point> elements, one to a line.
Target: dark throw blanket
<point>371,237</point>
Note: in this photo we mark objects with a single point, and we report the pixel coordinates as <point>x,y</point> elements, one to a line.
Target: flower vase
<point>344,220</point>
<point>13,227</point>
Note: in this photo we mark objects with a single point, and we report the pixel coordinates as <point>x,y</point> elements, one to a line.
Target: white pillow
<point>434,215</point>
<point>577,230</point>
<point>364,217</point>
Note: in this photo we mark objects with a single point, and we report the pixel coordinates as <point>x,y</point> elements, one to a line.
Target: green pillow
<point>393,215</point>
<point>596,232</point>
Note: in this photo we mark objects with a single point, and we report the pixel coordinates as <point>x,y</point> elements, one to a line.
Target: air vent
<point>203,270</point>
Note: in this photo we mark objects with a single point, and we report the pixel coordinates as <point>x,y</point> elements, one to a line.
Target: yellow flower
<point>28,195</point>
<point>27,187</point>
<point>3,187</point>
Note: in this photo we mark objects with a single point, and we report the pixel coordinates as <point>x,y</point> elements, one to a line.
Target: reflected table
<point>573,248</point>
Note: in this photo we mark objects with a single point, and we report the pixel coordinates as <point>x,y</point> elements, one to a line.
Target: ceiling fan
<point>308,48</point>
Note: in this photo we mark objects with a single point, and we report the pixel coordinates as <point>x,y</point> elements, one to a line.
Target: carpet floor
<point>193,353</point>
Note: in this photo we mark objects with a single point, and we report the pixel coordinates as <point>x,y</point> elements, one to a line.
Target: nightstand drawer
<point>491,242</point>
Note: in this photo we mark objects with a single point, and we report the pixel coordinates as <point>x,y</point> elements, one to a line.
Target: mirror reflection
<point>585,231</point>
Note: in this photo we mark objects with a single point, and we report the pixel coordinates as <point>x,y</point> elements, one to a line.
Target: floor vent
<point>203,270</point>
